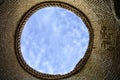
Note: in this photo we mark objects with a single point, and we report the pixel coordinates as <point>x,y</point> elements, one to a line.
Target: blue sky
<point>53,40</point>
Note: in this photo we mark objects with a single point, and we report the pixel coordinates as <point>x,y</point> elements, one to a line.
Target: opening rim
<point>24,19</point>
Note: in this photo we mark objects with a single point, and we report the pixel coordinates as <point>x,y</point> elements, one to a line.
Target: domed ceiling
<point>103,60</point>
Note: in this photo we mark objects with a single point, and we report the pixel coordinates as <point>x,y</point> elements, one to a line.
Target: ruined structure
<point>104,60</point>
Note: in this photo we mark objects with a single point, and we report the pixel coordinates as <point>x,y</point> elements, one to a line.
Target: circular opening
<point>54,40</point>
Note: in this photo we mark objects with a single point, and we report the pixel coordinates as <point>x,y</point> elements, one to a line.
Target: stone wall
<point>104,61</point>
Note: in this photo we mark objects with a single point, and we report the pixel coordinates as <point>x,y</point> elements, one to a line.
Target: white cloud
<point>54,40</point>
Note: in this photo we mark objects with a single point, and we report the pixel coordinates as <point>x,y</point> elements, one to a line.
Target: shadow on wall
<point>117,8</point>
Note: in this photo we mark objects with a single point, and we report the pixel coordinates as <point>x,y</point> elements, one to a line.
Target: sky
<point>54,40</point>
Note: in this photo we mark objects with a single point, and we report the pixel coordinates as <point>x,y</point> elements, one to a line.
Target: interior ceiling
<point>104,62</point>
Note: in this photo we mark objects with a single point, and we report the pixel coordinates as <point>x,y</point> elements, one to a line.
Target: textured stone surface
<point>104,62</point>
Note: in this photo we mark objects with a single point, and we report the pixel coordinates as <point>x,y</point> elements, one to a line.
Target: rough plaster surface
<point>104,62</point>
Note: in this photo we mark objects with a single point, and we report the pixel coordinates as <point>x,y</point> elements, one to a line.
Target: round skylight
<point>54,40</point>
